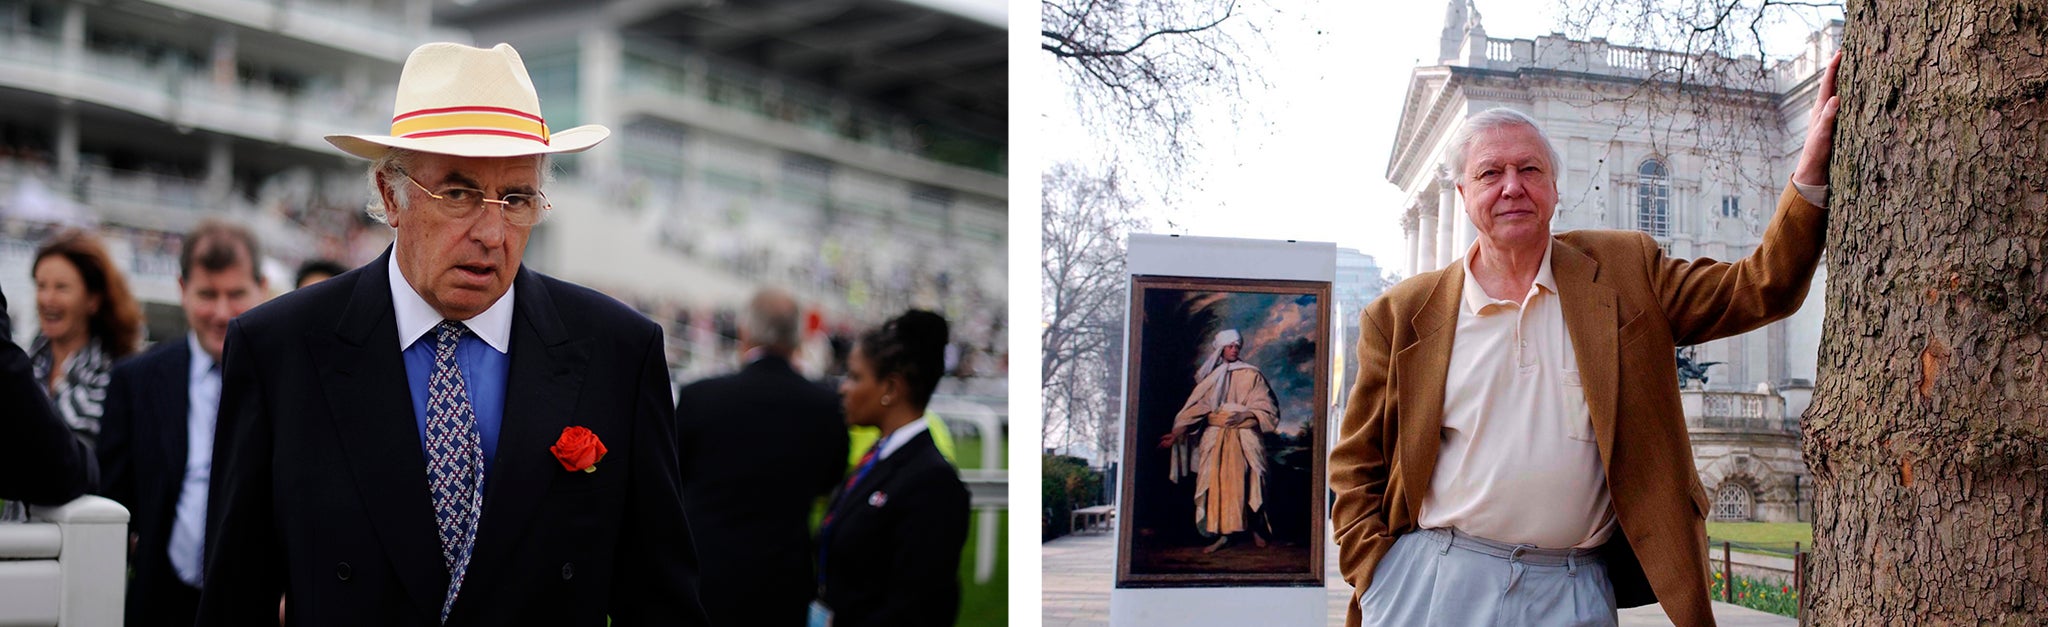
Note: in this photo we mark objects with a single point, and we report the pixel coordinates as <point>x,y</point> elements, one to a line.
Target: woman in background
<point>89,320</point>
<point>889,548</point>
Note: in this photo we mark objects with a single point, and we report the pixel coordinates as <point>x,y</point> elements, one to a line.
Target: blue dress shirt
<point>484,371</point>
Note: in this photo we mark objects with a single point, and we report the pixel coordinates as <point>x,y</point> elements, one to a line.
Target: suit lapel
<point>1423,368</point>
<point>856,497</point>
<point>541,389</point>
<point>1589,316</point>
<point>371,404</point>
<point>174,395</point>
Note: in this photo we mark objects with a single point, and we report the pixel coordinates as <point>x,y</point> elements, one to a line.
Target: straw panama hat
<point>468,102</point>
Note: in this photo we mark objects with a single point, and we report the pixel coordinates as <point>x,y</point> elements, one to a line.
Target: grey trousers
<point>1449,578</point>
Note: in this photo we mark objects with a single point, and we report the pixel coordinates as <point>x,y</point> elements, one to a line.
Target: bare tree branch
<point>1150,72</point>
<point>1085,219</point>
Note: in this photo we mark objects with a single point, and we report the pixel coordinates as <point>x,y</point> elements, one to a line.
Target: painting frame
<point>1136,538</point>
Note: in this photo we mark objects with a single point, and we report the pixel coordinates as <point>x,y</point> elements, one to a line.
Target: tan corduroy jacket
<point>1626,307</point>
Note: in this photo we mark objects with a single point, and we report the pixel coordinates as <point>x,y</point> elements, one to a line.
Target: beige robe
<point>1228,463</point>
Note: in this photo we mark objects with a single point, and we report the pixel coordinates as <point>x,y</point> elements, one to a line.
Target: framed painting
<point>1226,411</point>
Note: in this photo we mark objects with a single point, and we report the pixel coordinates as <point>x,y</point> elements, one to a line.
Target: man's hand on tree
<point>1820,130</point>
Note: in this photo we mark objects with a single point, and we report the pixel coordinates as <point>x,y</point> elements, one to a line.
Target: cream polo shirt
<point>1519,462</point>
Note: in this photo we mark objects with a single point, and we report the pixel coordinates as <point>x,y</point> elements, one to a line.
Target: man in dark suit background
<point>156,439</point>
<point>442,436</point>
<point>47,466</point>
<point>759,448</point>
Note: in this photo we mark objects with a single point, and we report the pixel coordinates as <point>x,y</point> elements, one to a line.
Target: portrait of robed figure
<point>1225,414</point>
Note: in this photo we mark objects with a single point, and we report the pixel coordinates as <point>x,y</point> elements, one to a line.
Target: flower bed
<point>1776,597</point>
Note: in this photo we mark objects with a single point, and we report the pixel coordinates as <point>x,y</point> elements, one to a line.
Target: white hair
<point>1490,119</point>
<point>394,164</point>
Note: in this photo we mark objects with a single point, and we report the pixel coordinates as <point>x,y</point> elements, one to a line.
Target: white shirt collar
<point>902,436</point>
<point>416,317</point>
<point>1475,297</point>
<point>201,362</point>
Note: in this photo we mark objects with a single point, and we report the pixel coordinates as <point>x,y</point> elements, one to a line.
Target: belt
<point>1524,553</point>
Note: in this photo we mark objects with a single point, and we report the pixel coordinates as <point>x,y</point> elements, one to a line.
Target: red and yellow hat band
<point>470,121</point>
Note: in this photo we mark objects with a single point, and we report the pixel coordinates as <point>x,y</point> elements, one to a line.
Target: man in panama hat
<point>442,436</point>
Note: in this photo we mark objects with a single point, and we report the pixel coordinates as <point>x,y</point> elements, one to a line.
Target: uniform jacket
<point>892,554</point>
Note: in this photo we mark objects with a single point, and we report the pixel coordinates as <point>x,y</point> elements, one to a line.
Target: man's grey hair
<point>772,321</point>
<point>398,161</point>
<point>1491,119</point>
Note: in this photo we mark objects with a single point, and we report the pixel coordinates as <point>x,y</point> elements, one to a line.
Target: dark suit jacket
<point>320,487</point>
<point>142,454</point>
<point>1626,306</point>
<point>45,464</point>
<point>758,449</point>
<point>892,556</point>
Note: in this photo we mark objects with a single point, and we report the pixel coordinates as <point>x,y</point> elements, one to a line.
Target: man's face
<point>461,266</point>
<point>213,297</point>
<point>1230,353</point>
<point>1509,186</point>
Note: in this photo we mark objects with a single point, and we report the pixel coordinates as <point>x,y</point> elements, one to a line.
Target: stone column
<point>599,66</point>
<point>222,73</point>
<point>1426,238</point>
<point>72,32</point>
<point>1448,218</point>
<point>1410,222</point>
<point>220,169</point>
<point>66,147</point>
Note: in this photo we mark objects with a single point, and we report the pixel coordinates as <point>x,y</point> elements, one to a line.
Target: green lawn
<point>1760,538</point>
<point>969,452</point>
<point>986,603</point>
<point>989,603</point>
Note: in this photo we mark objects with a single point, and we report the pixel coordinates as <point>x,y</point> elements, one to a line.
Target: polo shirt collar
<point>1475,296</point>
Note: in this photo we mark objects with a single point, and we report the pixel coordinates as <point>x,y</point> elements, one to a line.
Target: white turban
<point>1224,339</point>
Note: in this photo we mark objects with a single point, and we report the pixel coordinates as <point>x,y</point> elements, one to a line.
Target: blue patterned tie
<point>455,459</point>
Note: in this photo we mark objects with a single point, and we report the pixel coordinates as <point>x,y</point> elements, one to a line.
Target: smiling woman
<point>88,318</point>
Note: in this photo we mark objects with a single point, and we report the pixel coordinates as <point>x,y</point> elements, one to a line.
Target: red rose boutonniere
<point>578,449</point>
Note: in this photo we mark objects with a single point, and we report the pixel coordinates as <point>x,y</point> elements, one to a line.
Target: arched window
<point>1731,502</point>
<point>1653,198</point>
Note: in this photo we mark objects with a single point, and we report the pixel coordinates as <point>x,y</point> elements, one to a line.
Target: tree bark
<point>1928,435</point>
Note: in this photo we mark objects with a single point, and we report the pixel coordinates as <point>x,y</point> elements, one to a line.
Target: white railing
<point>179,93</point>
<point>1733,405</point>
<point>1500,50</point>
<point>1737,411</point>
<point>66,566</point>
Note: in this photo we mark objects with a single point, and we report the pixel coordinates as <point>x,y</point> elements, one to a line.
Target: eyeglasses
<point>462,203</point>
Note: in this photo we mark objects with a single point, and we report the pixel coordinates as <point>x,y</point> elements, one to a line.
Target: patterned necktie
<point>455,459</point>
<point>867,462</point>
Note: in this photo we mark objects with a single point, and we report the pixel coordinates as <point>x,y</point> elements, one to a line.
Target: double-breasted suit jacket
<point>1626,306</point>
<point>320,493</point>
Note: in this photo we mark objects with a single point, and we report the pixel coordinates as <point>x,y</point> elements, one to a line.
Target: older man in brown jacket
<point>1514,451</point>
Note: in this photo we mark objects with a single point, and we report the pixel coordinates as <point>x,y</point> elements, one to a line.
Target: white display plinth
<point>1219,607</point>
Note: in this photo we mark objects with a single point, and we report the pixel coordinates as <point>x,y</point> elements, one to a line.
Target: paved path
<point>1079,571</point>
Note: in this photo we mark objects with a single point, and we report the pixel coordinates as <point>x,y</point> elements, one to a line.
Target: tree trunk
<point>1928,435</point>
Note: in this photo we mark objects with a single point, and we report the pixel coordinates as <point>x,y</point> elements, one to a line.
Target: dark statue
<point>1689,369</point>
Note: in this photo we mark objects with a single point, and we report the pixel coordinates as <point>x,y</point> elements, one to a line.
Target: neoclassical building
<point>1689,149</point>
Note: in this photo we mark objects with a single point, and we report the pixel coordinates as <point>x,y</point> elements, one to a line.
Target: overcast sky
<point>1309,162</point>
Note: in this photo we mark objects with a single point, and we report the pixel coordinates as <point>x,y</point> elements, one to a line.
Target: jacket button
<point>568,570</point>
<point>341,571</point>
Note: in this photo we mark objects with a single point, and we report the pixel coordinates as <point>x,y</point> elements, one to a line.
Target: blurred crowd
<point>703,339</point>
